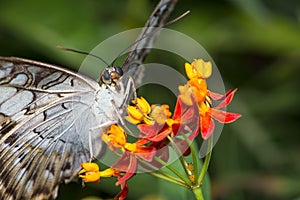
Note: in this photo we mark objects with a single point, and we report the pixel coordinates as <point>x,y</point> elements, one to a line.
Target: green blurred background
<point>256,46</point>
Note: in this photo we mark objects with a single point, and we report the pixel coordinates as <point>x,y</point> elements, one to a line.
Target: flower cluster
<point>194,113</point>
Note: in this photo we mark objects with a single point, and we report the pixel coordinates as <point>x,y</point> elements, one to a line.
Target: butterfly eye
<point>105,77</point>
<point>119,70</point>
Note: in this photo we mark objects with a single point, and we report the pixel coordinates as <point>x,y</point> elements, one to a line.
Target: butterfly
<point>51,119</point>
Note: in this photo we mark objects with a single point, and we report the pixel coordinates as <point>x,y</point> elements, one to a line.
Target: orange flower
<point>160,113</point>
<point>196,92</point>
<point>91,173</point>
<point>115,138</point>
<point>138,113</point>
<point>207,113</point>
<point>198,69</point>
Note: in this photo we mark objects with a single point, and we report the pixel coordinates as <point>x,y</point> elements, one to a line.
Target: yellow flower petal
<point>160,113</point>
<point>185,94</point>
<point>139,113</point>
<point>91,177</point>
<point>143,105</point>
<point>203,69</point>
<point>132,120</point>
<point>135,113</point>
<point>90,172</point>
<point>115,137</point>
<point>170,122</point>
<point>130,147</point>
<point>189,70</point>
<point>107,173</point>
<point>88,166</point>
<point>199,88</point>
<point>149,121</point>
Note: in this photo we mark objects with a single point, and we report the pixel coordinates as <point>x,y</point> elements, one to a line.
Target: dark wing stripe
<point>141,49</point>
<point>20,61</point>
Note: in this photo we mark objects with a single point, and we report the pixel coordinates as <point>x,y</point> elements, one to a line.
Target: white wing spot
<point>6,93</point>
<point>16,103</point>
<point>21,79</point>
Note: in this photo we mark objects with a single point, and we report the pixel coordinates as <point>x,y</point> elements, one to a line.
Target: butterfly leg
<point>130,86</point>
<point>104,125</point>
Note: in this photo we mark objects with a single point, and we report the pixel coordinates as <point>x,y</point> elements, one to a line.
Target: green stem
<point>194,155</point>
<point>177,173</point>
<point>179,154</point>
<point>198,193</point>
<point>167,178</point>
<point>163,175</point>
<point>206,162</point>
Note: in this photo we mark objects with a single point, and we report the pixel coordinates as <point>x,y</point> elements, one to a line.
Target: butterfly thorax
<point>110,97</point>
<point>109,101</point>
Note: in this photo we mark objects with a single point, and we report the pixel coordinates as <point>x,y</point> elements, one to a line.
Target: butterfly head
<point>111,75</point>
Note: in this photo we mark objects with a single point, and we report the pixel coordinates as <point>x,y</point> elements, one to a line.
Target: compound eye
<point>119,70</point>
<point>106,78</point>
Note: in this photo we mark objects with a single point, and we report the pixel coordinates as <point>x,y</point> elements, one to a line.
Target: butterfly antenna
<point>149,34</point>
<point>82,52</point>
<point>177,19</point>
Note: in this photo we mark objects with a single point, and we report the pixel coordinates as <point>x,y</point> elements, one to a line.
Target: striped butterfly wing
<point>47,113</point>
<point>145,40</point>
<point>44,110</point>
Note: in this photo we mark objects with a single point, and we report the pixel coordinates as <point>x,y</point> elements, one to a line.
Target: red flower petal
<point>195,132</point>
<point>147,130</point>
<point>178,109</point>
<point>183,146</point>
<point>154,133</point>
<point>207,126</point>
<point>161,136</point>
<point>146,153</point>
<point>128,164</point>
<point>123,193</point>
<point>224,117</point>
<point>227,100</point>
<point>215,96</point>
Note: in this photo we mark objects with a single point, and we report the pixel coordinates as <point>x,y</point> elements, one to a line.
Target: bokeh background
<point>256,46</point>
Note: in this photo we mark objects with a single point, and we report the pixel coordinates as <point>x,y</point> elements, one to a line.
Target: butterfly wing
<point>145,40</point>
<point>44,110</point>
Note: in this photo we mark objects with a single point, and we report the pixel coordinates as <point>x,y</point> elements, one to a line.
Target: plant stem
<point>198,193</point>
<point>206,162</point>
<point>194,155</point>
<point>177,173</point>
<point>163,175</point>
<point>179,154</point>
<point>166,178</point>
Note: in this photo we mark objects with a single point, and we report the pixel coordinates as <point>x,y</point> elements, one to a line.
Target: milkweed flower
<point>90,172</point>
<point>139,112</point>
<point>196,92</point>
<point>116,138</point>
